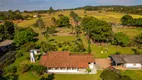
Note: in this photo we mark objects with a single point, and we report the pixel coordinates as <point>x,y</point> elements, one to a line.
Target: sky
<point>59,4</point>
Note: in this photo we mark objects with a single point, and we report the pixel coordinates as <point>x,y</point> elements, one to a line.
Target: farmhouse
<point>64,62</point>
<point>127,61</point>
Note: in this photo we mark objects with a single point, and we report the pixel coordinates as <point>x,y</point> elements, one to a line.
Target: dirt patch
<point>103,63</point>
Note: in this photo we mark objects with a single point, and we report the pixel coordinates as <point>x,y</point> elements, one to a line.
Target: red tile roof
<point>66,60</point>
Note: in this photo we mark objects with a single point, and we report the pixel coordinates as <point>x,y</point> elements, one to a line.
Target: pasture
<point>63,34</point>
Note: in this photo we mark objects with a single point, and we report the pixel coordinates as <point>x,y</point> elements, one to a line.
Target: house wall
<point>133,65</point>
<point>91,65</point>
<point>59,70</point>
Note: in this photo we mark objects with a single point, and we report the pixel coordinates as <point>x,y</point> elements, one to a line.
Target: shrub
<point>19,54</point>
<point>24,68</point>
<point>137,51</point>
<point>38,69</point>
<point>28,58</point>
<point>118,52</point>
<point>38,57</point>
<point>121,39</point>
<point>11,69</point>
<point>10,76</point>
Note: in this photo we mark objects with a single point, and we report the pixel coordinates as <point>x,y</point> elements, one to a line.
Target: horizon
<point>31,5</point>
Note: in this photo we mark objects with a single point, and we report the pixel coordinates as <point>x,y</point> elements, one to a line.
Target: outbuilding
<point>127,60</point>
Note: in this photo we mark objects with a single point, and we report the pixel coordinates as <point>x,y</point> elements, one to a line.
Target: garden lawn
<point>28,76</point>
<point>111,49</point>
<point>31,76</point>
<point>27,23</point>
<point>130,31</point>
<point>63,38</point>
<point>133,74</point>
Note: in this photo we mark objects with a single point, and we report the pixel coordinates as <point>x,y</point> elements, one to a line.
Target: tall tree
<point>138,40</point>
<point>63,21</point>
<point>24,36</point>
<point>51,10</point>
<point>40,24</point>
<point>53,19</point>
<point>127,20</point>
<point>121,39</point>
<point>98,30</point>
<point>89,46</point>
<point>9,29</point>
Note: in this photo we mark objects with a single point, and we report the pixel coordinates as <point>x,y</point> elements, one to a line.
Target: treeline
<point>122,9</point>
<point>101,31</point>
<point>11,15</point>
<point>130,21</point>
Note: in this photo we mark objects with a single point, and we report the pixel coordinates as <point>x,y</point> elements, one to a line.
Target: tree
<point>24,68</point>
<point>50,77</point>
<point>51,10</point>
<point>54,20</point>
<point>89,48</point>
<point>47,46</point>
<point>109,74</point>
<point>38,69</point>
<point>78,46</point>
<point>9,30</point>
<point>2,36</point>
<point>127,20</point>
<point>88,70</point>
<point>138,39</point>
<point>49,31</point>
<point>40,24</point>
<point>75,17</point>
<point>10,69</point>
<point>24,36</point>
<point>63,21</point>
<point>125,78</point>
<point>121,39</point>
<point>98,30</point>
<point>17,11</point>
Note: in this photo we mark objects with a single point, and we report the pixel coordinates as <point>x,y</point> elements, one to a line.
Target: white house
<point>64,62</point>
<point>127,61</point>
<point>35,51</point>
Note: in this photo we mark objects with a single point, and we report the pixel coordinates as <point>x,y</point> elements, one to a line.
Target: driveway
<point>103,63</point>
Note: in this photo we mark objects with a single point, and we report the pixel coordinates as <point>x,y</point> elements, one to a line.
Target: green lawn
<point>130,31</point>
<point>111,49</point>
<point>63,38</point>
<point>134,74</point>
<point>32,76</point>
<point>78,77</point>
<point>27,23</point>
<point>28,76</point>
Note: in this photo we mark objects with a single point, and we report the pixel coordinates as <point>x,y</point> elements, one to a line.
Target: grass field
<point>31,76</point>
<point>27,23</point>
<point>110,49</point>
<point>130,31</point>
<point>134,74</point>
<point>63,38</point>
